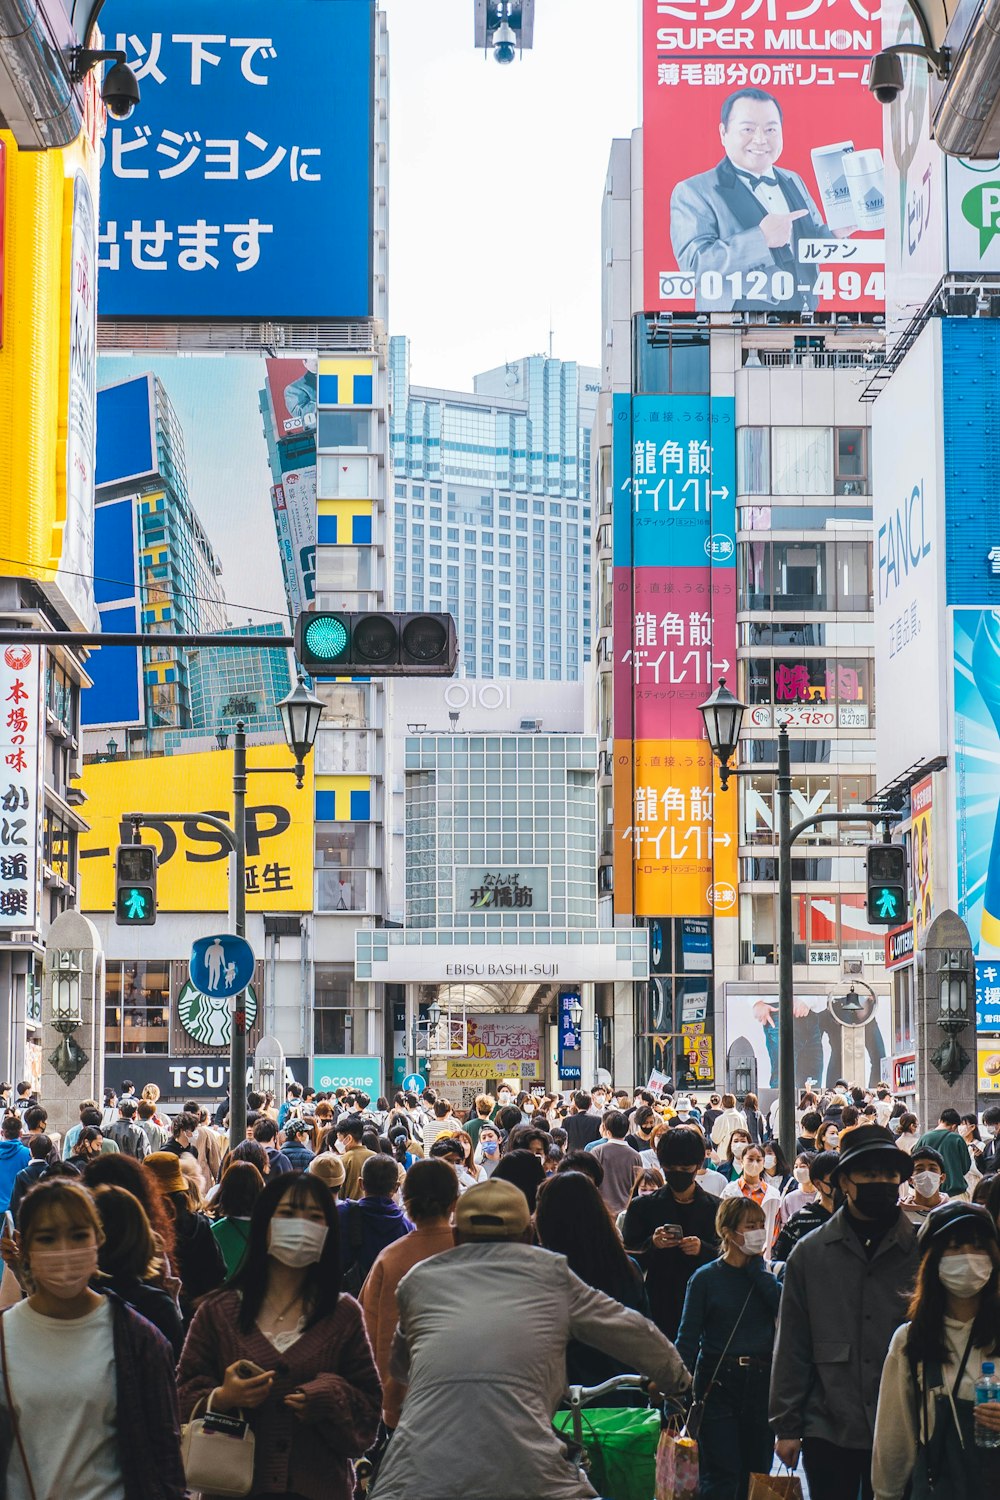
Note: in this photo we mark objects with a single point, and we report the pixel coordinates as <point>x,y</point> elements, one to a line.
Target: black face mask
<point>679,1182</point>
<point>876,1200</point>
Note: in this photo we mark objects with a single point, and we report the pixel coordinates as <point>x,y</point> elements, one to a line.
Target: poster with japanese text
<point>681,857</point>
<point>20,787</point>
<point>192,858</point>
<point>241,186</point>
<point>763,175</point>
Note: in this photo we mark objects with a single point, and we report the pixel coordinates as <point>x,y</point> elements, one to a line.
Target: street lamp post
<point>301,713</point>
<point>723,715</point>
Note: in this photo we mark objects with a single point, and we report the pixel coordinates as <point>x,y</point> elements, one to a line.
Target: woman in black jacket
<point>571,1218</point>
<point>131,1265</point>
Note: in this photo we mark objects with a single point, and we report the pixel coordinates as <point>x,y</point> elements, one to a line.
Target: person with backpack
<point>43,1155</point>
<point>371,1223</point>
<point>126,1134</point>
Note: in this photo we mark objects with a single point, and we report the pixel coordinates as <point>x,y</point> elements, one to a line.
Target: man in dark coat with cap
<point>846,1291</point>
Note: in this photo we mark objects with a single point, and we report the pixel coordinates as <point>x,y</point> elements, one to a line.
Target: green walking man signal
<point>135,885</point>
<point>885,868</point>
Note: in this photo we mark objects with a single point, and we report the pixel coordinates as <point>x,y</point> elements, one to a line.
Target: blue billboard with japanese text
<point>241,187</point>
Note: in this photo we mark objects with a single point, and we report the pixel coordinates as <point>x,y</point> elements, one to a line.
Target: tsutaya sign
<point>437,958</point>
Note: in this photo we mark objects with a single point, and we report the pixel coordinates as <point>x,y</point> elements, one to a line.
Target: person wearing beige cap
<point>459,1348</point>
<point>199,1261</point>
<point>329,1169</point>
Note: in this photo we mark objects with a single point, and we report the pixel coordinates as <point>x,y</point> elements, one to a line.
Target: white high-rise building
<point>491,512</point>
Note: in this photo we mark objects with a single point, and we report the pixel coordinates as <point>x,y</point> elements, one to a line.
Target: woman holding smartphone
<point>282,1344</point>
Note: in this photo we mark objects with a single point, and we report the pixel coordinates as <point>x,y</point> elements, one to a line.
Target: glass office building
<point>492,512</point>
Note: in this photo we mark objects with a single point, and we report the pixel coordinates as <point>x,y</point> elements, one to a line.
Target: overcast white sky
<point>496,178</point>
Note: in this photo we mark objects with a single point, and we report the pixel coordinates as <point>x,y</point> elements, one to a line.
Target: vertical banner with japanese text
<point>674,559</point>
<point>763,176</point>
<point>20,786</point>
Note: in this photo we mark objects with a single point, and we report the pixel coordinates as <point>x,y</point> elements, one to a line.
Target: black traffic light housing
<point>885,871</point>
<point>340,643</point>
<point>135,885</point>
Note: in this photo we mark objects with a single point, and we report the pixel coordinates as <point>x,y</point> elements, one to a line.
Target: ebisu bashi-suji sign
<point>242,185</point>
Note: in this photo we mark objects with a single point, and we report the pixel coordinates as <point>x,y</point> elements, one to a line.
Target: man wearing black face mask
<point>846,1290</point>
<point>672,1232</point>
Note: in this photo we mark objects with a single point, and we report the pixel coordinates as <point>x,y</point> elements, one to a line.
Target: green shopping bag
<point>621,1447</point>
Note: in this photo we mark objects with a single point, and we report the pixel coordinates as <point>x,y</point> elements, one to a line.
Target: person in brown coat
<point>315,1404</point>
<point>430,1192</point>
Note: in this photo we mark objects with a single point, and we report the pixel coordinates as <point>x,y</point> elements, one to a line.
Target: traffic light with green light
<point>885,869</point>
<point>345,644</point>
<point>135,885</point>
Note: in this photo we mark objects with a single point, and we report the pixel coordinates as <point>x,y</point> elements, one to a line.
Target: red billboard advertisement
<point>292,384</point>
<point>763,176</point>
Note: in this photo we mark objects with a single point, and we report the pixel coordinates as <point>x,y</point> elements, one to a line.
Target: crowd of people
<point>394,1295</point>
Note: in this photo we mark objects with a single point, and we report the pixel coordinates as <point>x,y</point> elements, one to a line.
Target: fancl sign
<point>902,543</point>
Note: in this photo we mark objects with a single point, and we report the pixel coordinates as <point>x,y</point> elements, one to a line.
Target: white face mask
<point>965,1274</point>
<point>753,1241</point>
<point>927,1183</point>
<point>738,1149</point>
<point>770,1162</point>
<point>296,1242</point>
<point>802,1175</point>
<point>991,1130</point>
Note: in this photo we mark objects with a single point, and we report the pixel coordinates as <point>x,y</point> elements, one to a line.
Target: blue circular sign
<point>414,1083</point>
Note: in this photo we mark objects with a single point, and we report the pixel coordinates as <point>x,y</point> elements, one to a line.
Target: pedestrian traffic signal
<point>885,868</point>
<point>135,885</point>
<point>343,644</point>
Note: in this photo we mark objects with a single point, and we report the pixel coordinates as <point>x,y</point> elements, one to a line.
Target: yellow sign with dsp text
<point>193,861</point>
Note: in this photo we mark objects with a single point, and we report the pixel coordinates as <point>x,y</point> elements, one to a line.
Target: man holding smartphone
<point>672,1232</point>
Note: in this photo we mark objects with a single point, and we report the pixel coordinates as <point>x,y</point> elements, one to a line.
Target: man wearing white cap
<point>476,1423</point>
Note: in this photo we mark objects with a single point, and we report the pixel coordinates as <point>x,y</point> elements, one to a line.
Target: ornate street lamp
<point>301,713</point>
<point>723,715</point>
<point>575,1013</point>
<point>69,1058</point>
<point>952,980</point>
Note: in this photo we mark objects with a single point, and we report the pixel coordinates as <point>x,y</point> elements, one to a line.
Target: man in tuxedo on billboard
<point>745,215</point>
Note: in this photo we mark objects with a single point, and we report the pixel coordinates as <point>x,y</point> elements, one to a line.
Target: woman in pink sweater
<point>315,1404</point>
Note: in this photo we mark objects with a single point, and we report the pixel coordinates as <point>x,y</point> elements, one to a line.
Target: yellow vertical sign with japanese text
<point>680,835</point>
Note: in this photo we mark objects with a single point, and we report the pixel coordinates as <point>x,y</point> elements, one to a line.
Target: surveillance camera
<point>886,78</point>
<point>120,91</point>
<point>504,43</point>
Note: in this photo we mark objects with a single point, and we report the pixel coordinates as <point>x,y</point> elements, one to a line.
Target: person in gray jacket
<point>476,1423</point>
<point>846,1290</point>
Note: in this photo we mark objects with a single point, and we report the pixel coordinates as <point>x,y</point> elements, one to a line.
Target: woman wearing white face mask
<point>87,1384</point>
<point>752,1184</point>
<point>727,1337</point>
<point>732,1158</point>
<point>926,1424</point>
<point>315,1399</point>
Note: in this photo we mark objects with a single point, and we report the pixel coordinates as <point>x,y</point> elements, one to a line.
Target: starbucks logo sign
<point>207,1019</point>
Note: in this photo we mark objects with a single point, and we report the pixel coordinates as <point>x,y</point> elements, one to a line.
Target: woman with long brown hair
<point>926,1426</point>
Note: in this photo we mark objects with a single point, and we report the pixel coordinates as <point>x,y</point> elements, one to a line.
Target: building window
<point>676,362</point>
<point>802,461</point>
<point>345,429</point>
<point>137,1006</point>
<point>852,477</point>
<point>753,460</point>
